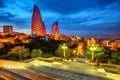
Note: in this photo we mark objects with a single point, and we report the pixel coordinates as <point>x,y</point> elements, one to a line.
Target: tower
<point>38,27</point>
<point>55,30</point>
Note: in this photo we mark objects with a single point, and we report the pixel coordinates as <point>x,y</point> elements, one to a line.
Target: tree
<point>18,41</point>
<point>13,57</point>
<point>59,52</point>
<point>36,53</point>
<point>116,57</point>
<point>107,55</point>
<point>46,55</point>
<point>19,50</point>
<point>39,52</point>
<point>98,52</point>
<point>33,53</point>
<point>25,55</point>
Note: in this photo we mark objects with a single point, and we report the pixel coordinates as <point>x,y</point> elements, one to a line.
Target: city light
<point>64,49</point>
<point>40,39</point>
<point>92,48</point>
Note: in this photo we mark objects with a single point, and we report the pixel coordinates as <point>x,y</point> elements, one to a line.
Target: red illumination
<point>38,27</point>
<point>55,30</point>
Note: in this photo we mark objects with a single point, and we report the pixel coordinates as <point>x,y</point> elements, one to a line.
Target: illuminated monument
<point>38,27</point>
<point>55,30</point>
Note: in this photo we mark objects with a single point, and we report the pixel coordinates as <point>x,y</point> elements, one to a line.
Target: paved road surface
<point>26,74</point>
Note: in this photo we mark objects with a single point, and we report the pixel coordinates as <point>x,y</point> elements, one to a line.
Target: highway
<point>37,69</point>
<point>26,74</point>
<point>8,75</point>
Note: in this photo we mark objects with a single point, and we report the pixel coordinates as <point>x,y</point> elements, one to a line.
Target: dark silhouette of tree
<point>49,46</point>
<point>18,41</point>
<point>19,50</point>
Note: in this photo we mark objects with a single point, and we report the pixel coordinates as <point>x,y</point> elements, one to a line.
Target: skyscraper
<point>38,27</point>
<point>55,30</point>
<point>8,29</point>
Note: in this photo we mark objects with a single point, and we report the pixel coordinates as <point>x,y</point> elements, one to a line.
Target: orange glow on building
<point>80,49</point>
<point>64,38</point>
<point>55,30</point>
<point>91,41</point>
<point>8,29</point>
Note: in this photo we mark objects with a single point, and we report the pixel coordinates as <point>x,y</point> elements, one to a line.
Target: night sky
<point>85,18</point>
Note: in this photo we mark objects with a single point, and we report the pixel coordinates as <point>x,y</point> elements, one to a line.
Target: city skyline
<point>82,18</point>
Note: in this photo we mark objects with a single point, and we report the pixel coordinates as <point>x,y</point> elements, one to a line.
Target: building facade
<point>8,29</point>
<point>55,30</point>
<point>38,27</point>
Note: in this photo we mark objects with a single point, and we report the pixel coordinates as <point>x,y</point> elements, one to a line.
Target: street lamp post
<point>92,48</point>
<point>64,48</point>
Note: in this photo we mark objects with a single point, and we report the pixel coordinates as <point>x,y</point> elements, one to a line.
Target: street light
<point>92,48</point>
<point>64,48</point>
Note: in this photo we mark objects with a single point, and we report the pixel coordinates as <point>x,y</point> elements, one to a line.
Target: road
<point>50,69</point>
<point>26,74</point>
<point>80,67</point>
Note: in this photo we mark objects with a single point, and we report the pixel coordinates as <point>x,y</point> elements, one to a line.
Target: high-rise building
<point>38,27</point>
<point>44,30</point>
<point>55,30</point>
<point>8,29</point>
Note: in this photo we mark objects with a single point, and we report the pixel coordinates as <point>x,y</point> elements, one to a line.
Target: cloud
<point>2,4</point>
<point>6,17</point>
<point>71,6</point>
<point>107,18</point>
<point>72,15</point>
<point>16,13</point>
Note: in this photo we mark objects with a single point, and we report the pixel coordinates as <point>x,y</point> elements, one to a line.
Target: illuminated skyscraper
<point>8,29</point>
<point>55,30</point>
<point>38,27</point>
<point>44,30</point>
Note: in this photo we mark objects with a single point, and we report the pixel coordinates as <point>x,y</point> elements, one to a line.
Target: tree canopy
<point>60,51</point>
<point>19,50</point>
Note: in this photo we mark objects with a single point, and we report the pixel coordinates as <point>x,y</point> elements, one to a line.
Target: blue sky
<point>83,18</point>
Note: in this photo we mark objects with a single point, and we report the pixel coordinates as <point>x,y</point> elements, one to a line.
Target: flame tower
<point>38,27</point>
<point>55,30</point>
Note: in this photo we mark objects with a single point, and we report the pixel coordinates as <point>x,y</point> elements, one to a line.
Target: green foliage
<point>19,50</point>
<point>46,55</point>
<point>13,57</point>
<point>88,53</point>
<point>107,55</point>
<point>49,46</point>
<point>98,52</point>
<point>36,53</point>
<point>116,57</point>
<point>68,53</point>
<point>25,55</point>
<point>39,52</point>
<point>33,53</point>
<point>104,55</point>
<point>59,52</point>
